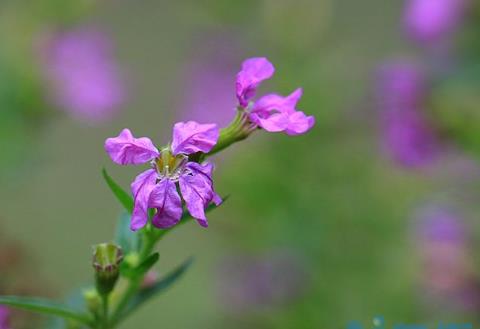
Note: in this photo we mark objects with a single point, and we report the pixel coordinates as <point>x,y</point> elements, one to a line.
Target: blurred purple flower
<point>83,74</point>
<point>431,21</point>
<point>157,187</point>
<point>208,95</point>
<point>150,279</point>
<point>440,224</point>
<point>447,266</point>
<point>206,87</point>
<point>407,137</point>
<point>4,317</point>
<point>249,283</point>
<point>272,112</point>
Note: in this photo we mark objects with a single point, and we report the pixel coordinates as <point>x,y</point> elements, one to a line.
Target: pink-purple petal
<point>205,171</point>
<point>191,137</point>
<point>142,187</point>
<point>272,122</point>
<point>299,123</point>
<point>206,168</point>
<point>275,113</point>
<point>254,71</point>
<point>125,149</point>
<point>274,102</point>
<point>168,203</point>
<point>197,191</point>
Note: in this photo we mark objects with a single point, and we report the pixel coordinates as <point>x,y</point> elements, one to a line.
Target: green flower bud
<point>106,262</point>
<point>92,300</point>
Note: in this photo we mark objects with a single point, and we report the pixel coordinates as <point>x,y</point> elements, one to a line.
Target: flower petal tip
<point>125,149</point>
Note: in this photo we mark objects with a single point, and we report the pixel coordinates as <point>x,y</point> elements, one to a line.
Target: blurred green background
<point>330,198</point>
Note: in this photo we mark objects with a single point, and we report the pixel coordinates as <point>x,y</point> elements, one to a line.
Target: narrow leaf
<point>45,306</point>
<point>147,293</point>
<point>144,267</point>
<point>147,264</point>
<point>75,301</point>
<point>124,237</point>
<point>125,198</point>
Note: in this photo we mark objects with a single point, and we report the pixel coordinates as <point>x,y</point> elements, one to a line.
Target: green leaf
<point>141,269</point>
<point>125,198</point>
<point>76,301</point>
<point>45,306</point>
<point>147,264</point>
<point>147,293</point>
<point>124,237</point>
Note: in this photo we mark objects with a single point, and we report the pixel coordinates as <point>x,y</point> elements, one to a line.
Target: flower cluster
<point>176,171</point>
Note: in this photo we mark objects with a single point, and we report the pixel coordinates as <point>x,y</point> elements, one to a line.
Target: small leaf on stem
<point>125,198</point>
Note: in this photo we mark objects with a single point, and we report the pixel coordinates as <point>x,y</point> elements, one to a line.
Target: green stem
<point>105,322</point>
<point>239,129</point>
<point>151,237</point>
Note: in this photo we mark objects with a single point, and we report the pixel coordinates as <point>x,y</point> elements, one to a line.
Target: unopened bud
<point>92,300</point>
<point>106,261</point>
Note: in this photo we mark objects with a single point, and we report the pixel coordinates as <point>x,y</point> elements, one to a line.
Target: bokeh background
<point>373,213</point>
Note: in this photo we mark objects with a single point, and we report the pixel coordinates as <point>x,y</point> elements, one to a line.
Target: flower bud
<point>106,262</point>
<point>149,280</point>
<point>92,300</point>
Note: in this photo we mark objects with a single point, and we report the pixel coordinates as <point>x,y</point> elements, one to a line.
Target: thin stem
<point>239,129</point>
<point>105,312</point>
<point>133,285</point>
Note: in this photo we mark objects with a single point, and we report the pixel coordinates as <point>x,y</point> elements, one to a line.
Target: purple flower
<point>83,75</point>
<point>208,95</point>
<point>272,112</point>
<point>431,20</point>
<point>248,283</point>
<point>171,170</point>
<point>4,317</point>
<point>447,265</point>
<point>440,224</point>
<point>407,137</point>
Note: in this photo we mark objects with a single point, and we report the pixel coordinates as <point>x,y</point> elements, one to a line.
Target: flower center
<point>170,166</point>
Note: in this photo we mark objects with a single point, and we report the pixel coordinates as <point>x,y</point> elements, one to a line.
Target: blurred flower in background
<point>447,267</point>
<point>406,134</point>
<point>256,283</point>
<point>433,21</point>
<point>17,277</point>
<point>4,318</point>
<point>208,80</point>
<point>24,109</point>
<point>83,74</point>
